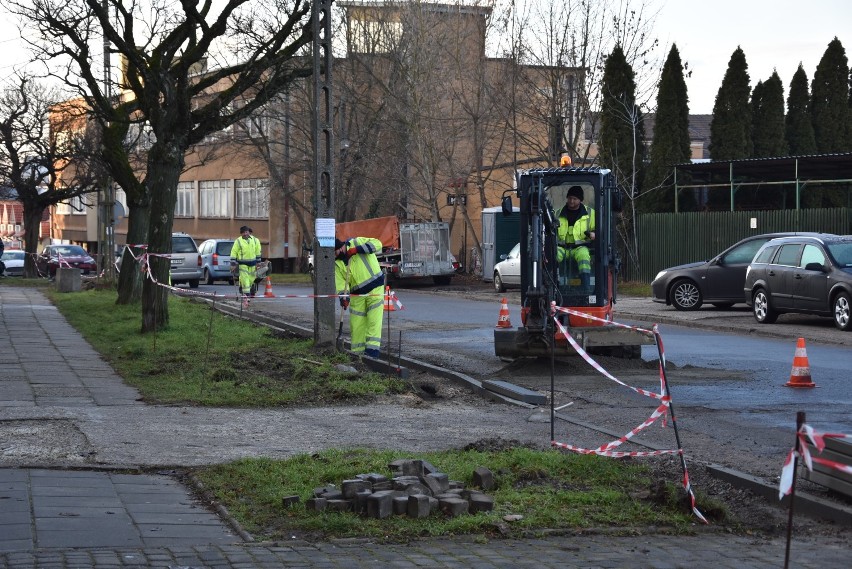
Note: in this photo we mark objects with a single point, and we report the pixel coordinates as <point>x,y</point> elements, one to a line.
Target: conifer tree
<point>830,100</point>
<point>799,128</point>
<point>671,136</point>
<point>730,127</point>
<point>622,132</point>
<point>767,108</point>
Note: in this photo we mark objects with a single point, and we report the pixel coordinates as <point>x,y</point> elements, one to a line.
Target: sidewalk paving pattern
<point>70,514</point>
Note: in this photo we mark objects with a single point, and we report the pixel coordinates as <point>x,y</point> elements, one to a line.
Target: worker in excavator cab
<point>576,232</point>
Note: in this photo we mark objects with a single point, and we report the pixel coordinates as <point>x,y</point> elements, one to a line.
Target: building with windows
<point>429,128</point>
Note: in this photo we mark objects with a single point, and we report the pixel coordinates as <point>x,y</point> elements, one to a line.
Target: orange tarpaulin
<point>385,229</point>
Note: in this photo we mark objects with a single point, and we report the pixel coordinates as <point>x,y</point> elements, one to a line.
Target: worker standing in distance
<point>245,255</point>
<point>366,285</point>
<point>576,230</point>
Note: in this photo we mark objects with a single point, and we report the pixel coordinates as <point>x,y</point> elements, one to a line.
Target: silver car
<point>216,260</point>
<point>186,261</point>
<point>507,273</point>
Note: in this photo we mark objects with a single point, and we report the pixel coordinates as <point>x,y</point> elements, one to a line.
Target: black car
<point>806,275</point>
<point>718,281</point>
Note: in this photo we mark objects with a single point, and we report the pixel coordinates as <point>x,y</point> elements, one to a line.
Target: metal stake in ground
<point>800,420</point>
<point>687,485</point>
<point>338,343</point>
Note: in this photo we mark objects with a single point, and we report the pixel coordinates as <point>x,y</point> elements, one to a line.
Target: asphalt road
<point>725,371</point>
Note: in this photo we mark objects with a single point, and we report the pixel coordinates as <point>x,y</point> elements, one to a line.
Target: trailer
<point>410,250</point>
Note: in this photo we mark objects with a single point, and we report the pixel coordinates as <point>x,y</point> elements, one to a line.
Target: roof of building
<point>829,167</point>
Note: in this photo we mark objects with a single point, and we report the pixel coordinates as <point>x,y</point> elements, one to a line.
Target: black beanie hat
<point>576,191</point>
<point>244,228</point>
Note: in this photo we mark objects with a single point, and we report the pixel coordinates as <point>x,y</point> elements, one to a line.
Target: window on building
<point>214,198</point>
<point>254,126</point>
<point>185,206</point>
<point>121,198</point>
<point>253,198</point>
<point>140,136</point>
<point>368,36</point>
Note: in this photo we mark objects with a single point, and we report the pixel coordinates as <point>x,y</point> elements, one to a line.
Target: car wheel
<point>193,284</point>
<point>208,279</point>
<point>685,295</point>
<point>763,311</point>
<point>498,283</point>
<point>842,317</point>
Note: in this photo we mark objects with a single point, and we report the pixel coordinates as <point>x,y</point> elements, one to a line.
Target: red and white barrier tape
<point>817,439</point>
<point>660,412</point>
<point>145,268</point>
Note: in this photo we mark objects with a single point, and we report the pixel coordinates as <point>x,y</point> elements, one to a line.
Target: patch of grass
<point>549,489</point>
<point>634,288</point>
<point>20,281</point>
<point>206,358</point>
<point>290,278</point>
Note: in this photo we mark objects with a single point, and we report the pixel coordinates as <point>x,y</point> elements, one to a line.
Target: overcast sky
<point>773,34</point>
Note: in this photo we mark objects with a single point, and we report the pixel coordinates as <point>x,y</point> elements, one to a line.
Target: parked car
<point>54,256</point>
<point>806,275</point>
<point>216,260</point>
<point>507,273</point>
<point>186,262</point>
<point>12,263</point>
<point>718,281</point>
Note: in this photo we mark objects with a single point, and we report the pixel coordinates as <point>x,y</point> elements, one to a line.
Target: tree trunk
<point>32,224</point>
<point>165,161</point>
<point>130,277</point>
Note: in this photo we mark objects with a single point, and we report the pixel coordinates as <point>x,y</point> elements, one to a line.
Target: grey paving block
<point>17,545</point>
<point>191,519</point>
<point>515,391</point>
<point>72,492</point>
<point>16,531</point>
<point>116,523</point>
<point>79,511</point>
<point>184,531</point>
<point>157,508</point>
<point>71,501</point>
<point>66,538</point>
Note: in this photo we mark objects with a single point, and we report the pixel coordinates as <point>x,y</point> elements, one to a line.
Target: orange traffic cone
<point>389,304</point>
<point>503,319</point>
<point>268,292</point>
<point>800,376</point>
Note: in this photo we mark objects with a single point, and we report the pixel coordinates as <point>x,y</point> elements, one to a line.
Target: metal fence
<point>668,239</point>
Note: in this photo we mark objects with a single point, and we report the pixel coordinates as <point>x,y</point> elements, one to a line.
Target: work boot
<point>585,287</point>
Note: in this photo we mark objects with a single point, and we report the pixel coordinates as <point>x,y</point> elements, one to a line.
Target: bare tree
<point>250,48</point>
<point>45,163</point>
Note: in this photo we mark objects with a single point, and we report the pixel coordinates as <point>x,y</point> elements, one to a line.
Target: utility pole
<point>106,196</point>
<point>324,154</point>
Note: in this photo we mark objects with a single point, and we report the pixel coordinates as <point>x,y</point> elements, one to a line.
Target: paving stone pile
<point>416,489</point>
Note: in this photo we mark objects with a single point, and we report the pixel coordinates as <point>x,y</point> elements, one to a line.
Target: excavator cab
<point>550,276</point>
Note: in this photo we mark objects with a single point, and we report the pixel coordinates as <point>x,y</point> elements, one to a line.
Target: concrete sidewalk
<point>74,510</point>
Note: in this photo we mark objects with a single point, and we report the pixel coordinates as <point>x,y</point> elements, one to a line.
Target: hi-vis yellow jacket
<point>365,274</point>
